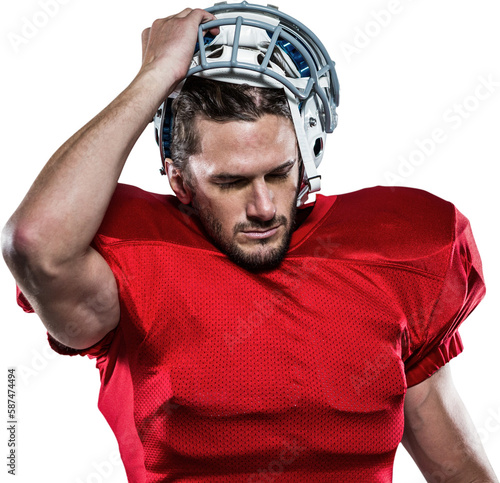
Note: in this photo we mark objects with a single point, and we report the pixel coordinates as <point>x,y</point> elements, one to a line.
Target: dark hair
<point>220,102</point>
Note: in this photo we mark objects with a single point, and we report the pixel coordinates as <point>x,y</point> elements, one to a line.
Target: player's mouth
<point>260,234</point>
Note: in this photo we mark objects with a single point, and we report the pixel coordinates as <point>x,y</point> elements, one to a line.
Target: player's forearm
<point>461,463</point>
<point>62,211</point>
<point>440,436</point>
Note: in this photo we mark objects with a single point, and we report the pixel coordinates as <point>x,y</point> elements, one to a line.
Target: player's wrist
<point>156,83</point>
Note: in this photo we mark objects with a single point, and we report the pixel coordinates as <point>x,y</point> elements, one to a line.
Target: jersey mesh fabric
<point>299,374</point>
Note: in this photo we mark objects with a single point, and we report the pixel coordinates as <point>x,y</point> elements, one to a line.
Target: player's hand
<point>168,45</point>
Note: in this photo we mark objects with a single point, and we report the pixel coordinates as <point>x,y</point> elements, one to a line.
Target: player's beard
<point>256,260</point>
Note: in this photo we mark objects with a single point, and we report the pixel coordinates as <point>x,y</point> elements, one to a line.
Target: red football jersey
<point>299,374</point>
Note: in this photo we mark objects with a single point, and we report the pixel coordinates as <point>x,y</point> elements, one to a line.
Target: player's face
<point>244,185</point>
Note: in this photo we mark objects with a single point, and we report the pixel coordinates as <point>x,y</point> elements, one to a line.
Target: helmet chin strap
<point>311,180</point>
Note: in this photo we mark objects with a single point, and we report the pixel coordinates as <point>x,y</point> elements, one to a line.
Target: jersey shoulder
<point>390,224</point>
<point>137,215</point>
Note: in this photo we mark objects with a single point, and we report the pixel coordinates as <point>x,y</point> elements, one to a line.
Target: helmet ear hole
<point>318,147</point>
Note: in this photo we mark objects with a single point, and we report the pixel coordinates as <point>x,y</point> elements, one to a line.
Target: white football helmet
<point>263,47</point>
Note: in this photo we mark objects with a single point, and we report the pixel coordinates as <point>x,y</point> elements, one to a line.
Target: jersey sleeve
<point>97,350</point>
<point>433,345</point>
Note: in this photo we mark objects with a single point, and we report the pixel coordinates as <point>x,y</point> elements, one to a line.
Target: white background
<point>403,75</point>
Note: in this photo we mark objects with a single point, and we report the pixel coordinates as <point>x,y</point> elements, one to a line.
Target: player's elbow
<point>24,254</point>
<point>15,244</point>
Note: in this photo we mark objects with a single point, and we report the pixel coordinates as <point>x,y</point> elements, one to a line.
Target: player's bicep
<point>80,304</point>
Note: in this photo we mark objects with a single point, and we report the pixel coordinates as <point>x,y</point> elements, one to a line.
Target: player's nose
<point>261,202</point>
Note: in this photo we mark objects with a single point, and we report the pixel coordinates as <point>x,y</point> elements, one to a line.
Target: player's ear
<point>178,182</point>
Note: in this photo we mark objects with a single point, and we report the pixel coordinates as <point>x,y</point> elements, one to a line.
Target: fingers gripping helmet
<point>264,47</point>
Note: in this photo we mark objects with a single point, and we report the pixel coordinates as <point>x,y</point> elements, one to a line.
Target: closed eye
<point>237,183</point>
<point>228,181</point>
<point>240,183</point>
<point>278,176</point>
